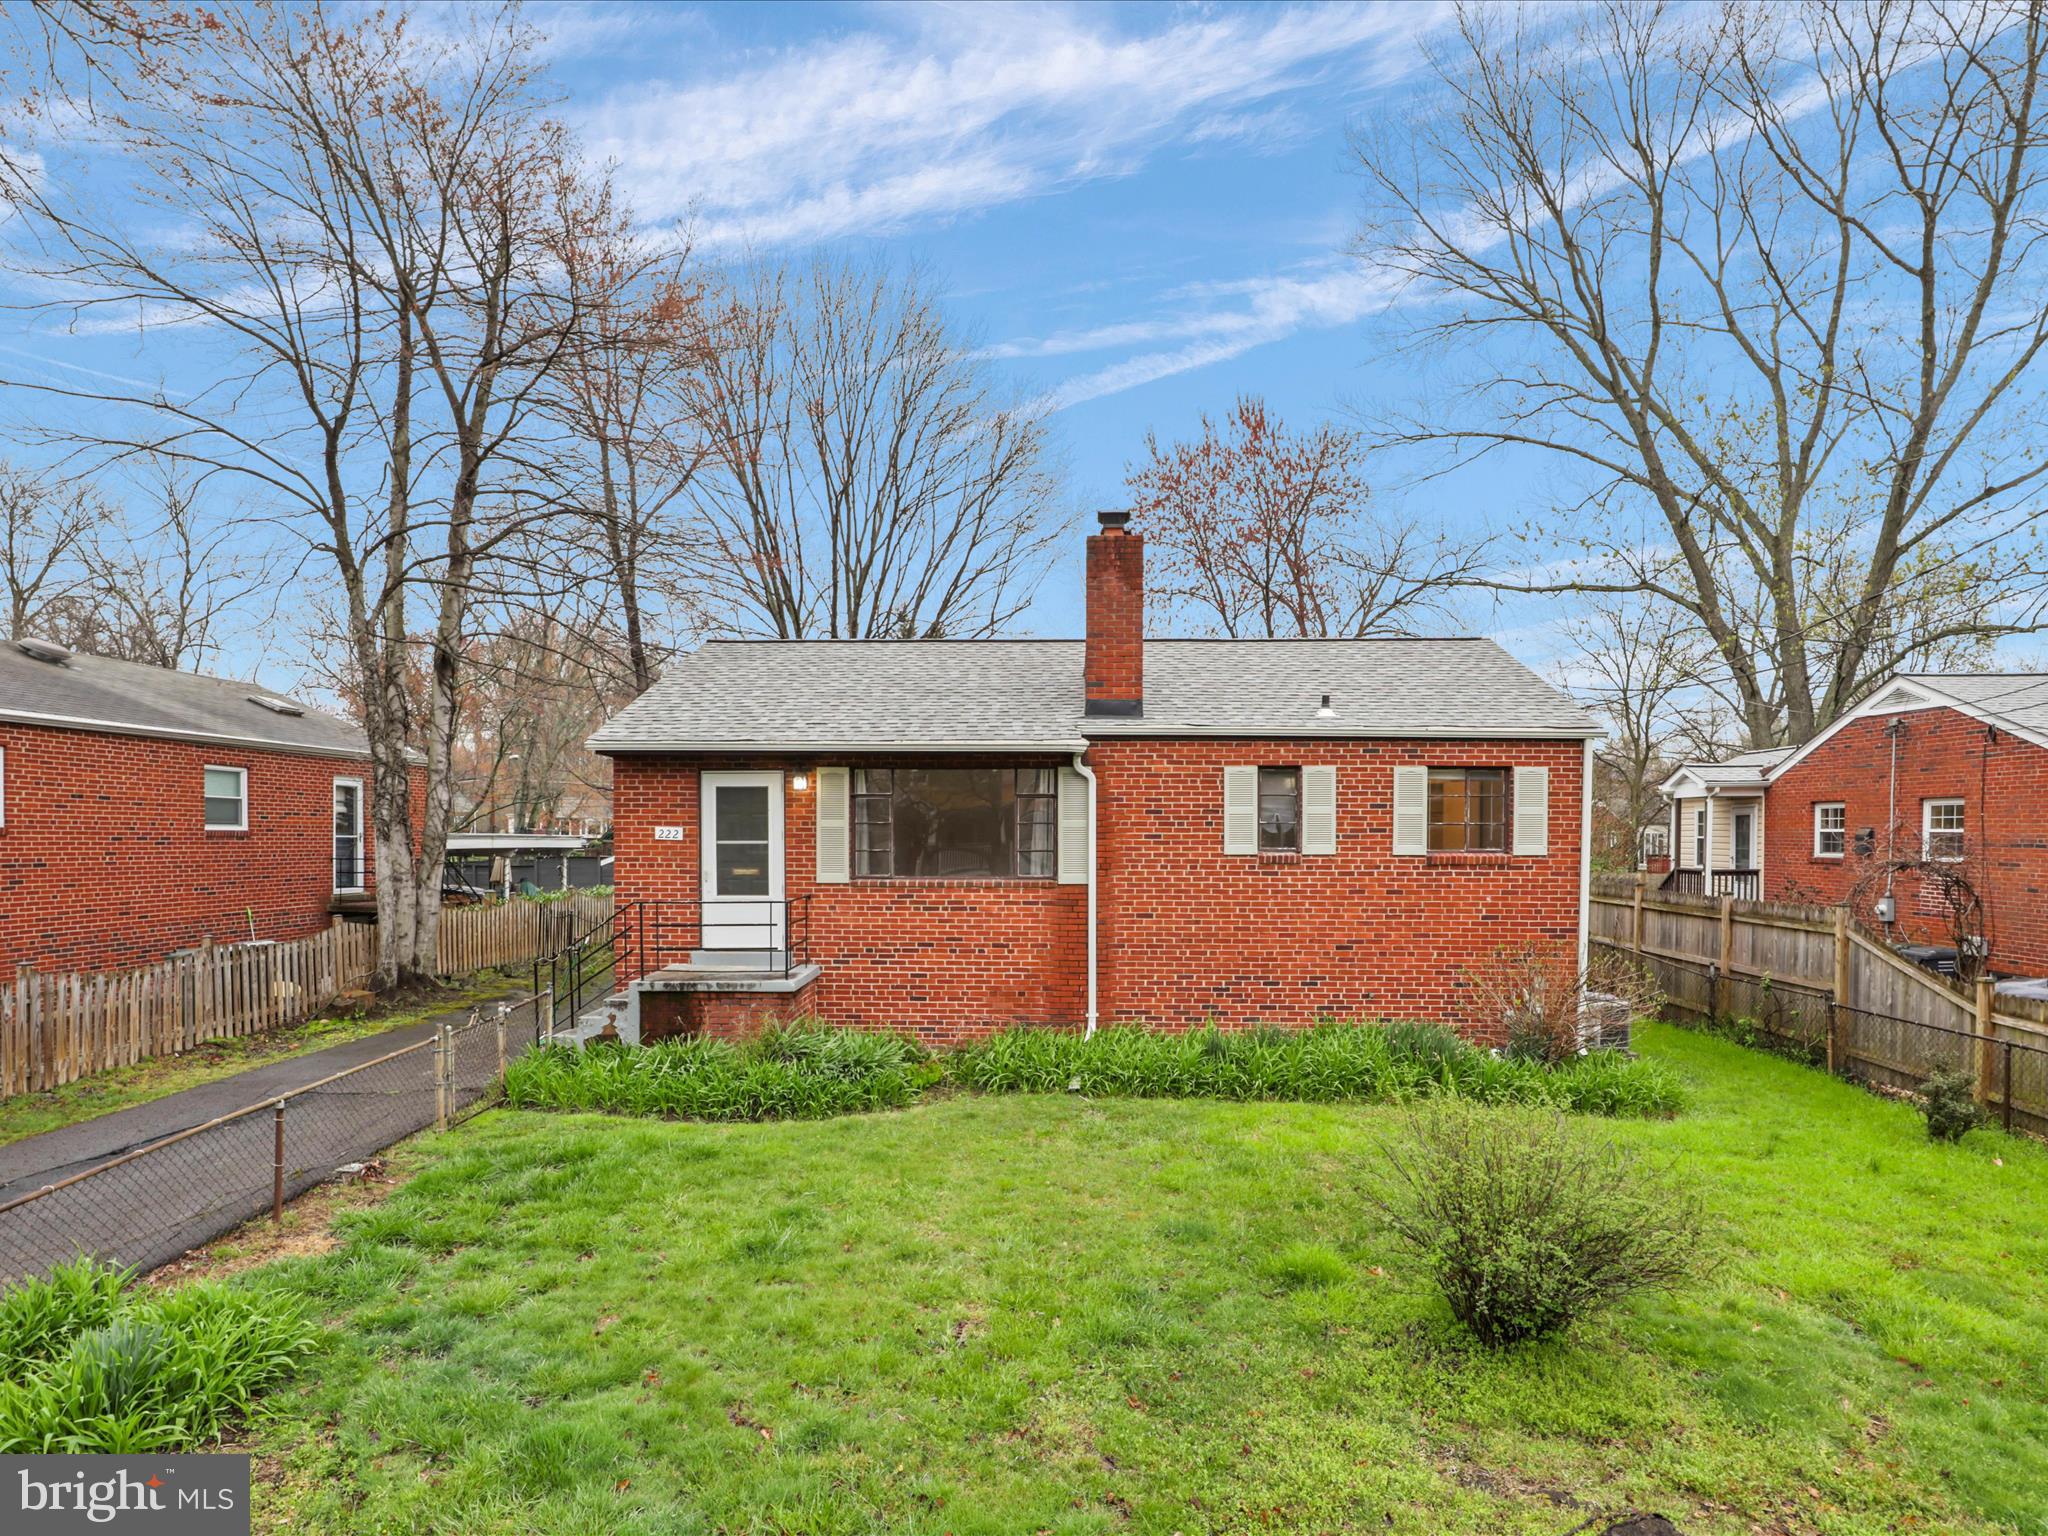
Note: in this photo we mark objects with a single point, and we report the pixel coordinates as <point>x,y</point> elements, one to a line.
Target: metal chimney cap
<point>1113,517</point>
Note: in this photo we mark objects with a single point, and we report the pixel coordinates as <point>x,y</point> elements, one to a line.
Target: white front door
<point>741,837</point>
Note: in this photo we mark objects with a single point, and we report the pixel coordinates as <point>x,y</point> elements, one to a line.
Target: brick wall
<point>1191,933</point>
<point>105,861</point>
<point>1942,755</point>
<point>1188,933</point>
<point>1113,664</point>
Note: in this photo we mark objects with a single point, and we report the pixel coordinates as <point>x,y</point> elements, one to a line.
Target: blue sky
<point>1142,211</point>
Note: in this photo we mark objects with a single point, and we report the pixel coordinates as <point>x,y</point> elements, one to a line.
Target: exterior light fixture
<point>800,782</point>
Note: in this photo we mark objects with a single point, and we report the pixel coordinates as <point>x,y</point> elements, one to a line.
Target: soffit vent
<point>44,650</point>
<point>275,705</point>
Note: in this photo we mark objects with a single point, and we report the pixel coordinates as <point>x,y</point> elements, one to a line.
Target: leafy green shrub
<point>1527,1223</point>
<point>38,1317</point>
<point>801,1072</point>
<point>1949,1101</point>
<point>155,1371</point>
<point>1329,1063</point>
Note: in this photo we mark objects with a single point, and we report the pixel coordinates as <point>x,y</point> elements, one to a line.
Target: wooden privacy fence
<point>57,1028</point>
<point>1813,977</point>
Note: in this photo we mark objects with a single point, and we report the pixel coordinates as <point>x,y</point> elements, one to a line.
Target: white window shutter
<point>1319,810</point>
<point>1532,810</point>
<point>1411,810</point>
<point>834,826</point>
<point>1073,845</point>
<point>1240,810</point>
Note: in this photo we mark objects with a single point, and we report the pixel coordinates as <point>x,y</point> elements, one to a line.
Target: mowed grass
<point>1046,1313</point>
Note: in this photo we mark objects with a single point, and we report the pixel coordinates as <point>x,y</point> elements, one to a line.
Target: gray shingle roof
<point>988,694</point>
<point>2019,698</point>
<point>92,692</point>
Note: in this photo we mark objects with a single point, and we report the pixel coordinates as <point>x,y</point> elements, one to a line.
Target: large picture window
<point>1468,810</point>
<point>955,823</point>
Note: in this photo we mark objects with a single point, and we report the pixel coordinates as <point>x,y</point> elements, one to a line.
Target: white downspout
<point>1586,858</point>
<point>1088,774</point>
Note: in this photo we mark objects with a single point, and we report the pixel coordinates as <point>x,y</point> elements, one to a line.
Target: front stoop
<point>728,1001</point>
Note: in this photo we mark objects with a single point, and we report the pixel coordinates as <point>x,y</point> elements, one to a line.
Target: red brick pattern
<point>721,1015</point>
<point>1191,934</point>
<point>943,959</point>
<point>1188,934</point>
<point>1943,754</point>
<point>105,861</point>
<point>1114,662</point>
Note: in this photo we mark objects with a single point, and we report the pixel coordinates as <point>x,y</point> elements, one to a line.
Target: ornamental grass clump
<point>93,1368</point>
<point>800,1072</point>
<point>1527,1223</point>
<point>1329,1063</point>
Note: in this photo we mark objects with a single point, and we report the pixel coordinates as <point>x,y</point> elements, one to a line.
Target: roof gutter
<point>597,744</point>
<point>1081,767</point>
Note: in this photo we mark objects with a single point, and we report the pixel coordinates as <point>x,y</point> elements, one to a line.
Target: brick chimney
<point>1114,668</point>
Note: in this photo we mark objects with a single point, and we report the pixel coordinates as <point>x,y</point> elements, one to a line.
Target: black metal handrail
<point>638,938</point>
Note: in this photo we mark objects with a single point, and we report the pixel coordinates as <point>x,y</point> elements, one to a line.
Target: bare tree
<point>865,480</point>
<point>162,580</point>
<point>44,526</point>
<point>1770,279</point>
<point>368,224</point>
<point>1638,668</point>
<point>1257,530</point>
<point>626,401</point>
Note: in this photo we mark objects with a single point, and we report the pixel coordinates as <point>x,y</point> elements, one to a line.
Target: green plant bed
<point>88,1366</point>
<point>1330,1063</point>
<point>800,1073</point>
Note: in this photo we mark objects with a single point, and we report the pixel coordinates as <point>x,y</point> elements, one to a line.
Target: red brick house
<point>1933,766</point>
<point>954,836</point>
<point>145,811</point>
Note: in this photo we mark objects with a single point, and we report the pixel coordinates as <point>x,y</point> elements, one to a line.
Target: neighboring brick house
<point>1931,766</point>
<point>1281,830</point>
<point>144,811</point>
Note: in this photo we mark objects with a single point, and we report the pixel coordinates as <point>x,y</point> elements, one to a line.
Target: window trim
<point>1259,811</point>
<point>1505,825</point>
<point>1699,838</point>
<point>1820,808</point>
<point>1928,834</point>
<point>362,883</point>
<point>857,776</point>
<point>242,777</point>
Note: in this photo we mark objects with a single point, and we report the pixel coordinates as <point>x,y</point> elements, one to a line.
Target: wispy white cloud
<point>971,107</point>
<point>1219,321</point>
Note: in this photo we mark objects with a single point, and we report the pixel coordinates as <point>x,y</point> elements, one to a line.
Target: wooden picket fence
<point>1814,977</point>
<point>57,1028</point>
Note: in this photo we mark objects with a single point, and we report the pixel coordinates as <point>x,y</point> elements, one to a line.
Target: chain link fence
<point>1880,1049</point>
<point>148,1206</point>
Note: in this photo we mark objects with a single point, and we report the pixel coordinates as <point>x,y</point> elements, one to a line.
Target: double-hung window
<point>348,834</point>
<point>955,823</point>
<point>1941,825</point>
<point>1830,830</point>
<point>1468,810</point>
<point>1699,838</point>
<point>1279,810</point>
<point>227,799</point>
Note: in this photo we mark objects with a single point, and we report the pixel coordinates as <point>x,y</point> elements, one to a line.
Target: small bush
<point>153,1371</point>
<point>801,1072</point>
<point>1526,1224</point>
<point>1948,1100</point>
<point>1330,1063</point>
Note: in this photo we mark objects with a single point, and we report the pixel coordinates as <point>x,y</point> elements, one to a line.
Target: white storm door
<point>742,849</point>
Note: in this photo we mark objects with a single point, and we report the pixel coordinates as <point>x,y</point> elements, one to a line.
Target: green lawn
<point>30,1114</point>
<point>1018,1314</point>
